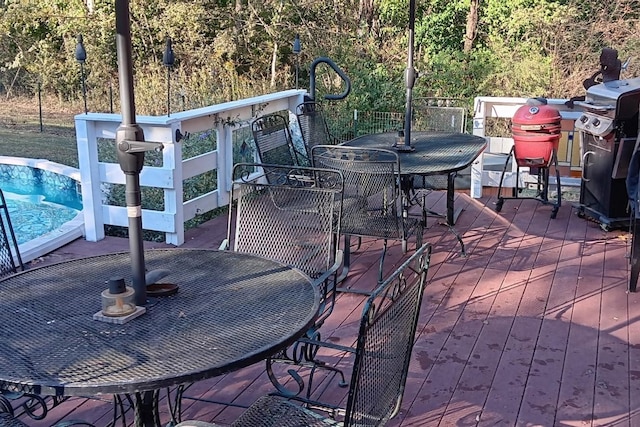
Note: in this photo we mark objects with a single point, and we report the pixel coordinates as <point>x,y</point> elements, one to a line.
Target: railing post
<point>87,146</point>
<point>224,136</point>
<point>174,170</point>
<point>355,123</point>
<point>172,157</point>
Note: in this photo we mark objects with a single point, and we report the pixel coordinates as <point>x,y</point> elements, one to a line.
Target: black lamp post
<point>168,59</point>
<point>81,56</point>
<point>296,50</point>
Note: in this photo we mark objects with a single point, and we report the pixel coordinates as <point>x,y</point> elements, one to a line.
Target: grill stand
<point>542,190</point>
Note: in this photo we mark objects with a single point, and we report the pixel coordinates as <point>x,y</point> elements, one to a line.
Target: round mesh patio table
<point>231,310</point>
<point>433,153</point>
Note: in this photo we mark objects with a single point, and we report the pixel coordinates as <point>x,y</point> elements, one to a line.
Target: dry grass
<point>26,130</point>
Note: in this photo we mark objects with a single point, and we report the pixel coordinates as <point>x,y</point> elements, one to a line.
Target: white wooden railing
<point>223,118</point>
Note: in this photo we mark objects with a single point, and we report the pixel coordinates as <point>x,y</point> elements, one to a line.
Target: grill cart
<point>608,127</point>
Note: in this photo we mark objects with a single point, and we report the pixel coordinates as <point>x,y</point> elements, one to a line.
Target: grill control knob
<point>584,119</point>
<point>595,122</point>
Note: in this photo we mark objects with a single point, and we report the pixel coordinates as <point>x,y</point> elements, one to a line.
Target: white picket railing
<point>224,118</point>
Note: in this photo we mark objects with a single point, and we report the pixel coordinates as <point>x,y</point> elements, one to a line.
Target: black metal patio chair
<point>292,215</point>
<point>313,126</point>
<point>382,355</point>
<point>10,259</point>
<point>274,144</point>
<point>288,214</point>
<point>372,198</point>
<point>447,118</point>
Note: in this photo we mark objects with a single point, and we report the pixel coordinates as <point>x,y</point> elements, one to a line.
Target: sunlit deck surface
<point>533,328</point>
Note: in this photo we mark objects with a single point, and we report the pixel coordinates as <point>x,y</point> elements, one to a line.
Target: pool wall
<point>29,171</point>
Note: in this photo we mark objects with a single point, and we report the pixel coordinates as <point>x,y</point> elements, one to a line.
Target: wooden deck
<point>533,328</point>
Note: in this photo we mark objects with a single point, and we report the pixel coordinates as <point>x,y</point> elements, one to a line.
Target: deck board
<point>533,327</point>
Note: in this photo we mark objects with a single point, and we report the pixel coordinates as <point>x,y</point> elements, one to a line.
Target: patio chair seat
<point>8,420</point>
<point>273,411</point>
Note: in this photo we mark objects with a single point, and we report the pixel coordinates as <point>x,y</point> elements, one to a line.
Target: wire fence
<point>429,114</point>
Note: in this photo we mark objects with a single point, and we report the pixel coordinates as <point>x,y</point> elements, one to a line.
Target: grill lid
<point>532,116</point>
<point>604,97</point>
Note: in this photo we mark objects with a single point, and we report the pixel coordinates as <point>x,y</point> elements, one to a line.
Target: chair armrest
<point>332,270</point>
<point>327,344</point>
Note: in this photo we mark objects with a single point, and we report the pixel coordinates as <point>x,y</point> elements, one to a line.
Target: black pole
<point>81,56</point>
<point>409,76</point>
<point>131,161</point>
<point>40,105</point>
<point>297,48</point>
<point>84,88</point>
<point>168,91</point>
<point>168,60</point>
<point>111,96</point>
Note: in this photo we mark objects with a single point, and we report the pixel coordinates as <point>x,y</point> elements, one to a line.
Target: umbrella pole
<point>131,159</point>
<point>409,77</point>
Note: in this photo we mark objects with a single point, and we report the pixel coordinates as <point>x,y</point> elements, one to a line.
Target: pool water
<point>32,216</point>
<point>39,201</point>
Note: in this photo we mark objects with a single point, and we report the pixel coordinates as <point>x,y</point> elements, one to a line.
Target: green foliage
<point>229,50</point>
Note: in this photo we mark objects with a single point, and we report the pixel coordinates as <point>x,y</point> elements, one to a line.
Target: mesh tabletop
<point>434,153</point>
<point>231,310</point>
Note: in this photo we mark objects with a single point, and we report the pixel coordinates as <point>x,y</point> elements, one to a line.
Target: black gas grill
<point>609,127</point>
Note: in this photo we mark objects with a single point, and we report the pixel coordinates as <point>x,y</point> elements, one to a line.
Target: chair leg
<point>382,257</point>
<point>346,261</point>
<point>303,354</point>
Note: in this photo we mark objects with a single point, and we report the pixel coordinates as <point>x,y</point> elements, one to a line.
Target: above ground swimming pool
<point>32,216</point>
<point>45,206</point>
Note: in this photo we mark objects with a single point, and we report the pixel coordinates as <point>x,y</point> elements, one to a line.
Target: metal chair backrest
<point>371,197</point>
<point>273,141</point>
<point>10,259</point>
<point>385,341</point>
<point>313,125</point>
<point>288,214</point>
<point>440,119</point>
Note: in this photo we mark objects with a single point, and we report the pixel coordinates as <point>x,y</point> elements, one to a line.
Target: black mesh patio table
<point>434,153</point>
<point>231,310</point>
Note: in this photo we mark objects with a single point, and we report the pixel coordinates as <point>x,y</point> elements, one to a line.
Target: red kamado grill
<point>536,133</point>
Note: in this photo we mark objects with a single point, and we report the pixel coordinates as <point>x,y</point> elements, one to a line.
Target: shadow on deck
<point>533,328</point>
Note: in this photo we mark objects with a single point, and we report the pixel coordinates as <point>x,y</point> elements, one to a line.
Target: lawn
<point>24,134</point>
